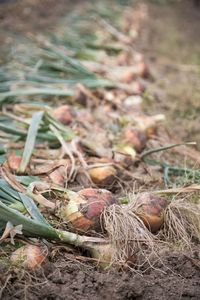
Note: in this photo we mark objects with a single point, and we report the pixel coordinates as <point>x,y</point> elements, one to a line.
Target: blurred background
<point>169,40</point>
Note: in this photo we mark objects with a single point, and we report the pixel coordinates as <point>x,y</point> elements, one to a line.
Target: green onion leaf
<point>30,141</point>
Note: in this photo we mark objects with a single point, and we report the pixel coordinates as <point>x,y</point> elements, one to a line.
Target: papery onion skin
<point>58,176</point>
<point>63,114</point>
<point>97,200</point>
<point>83,211</point>
<point>14,161</point>
<point>136,138</point>
<point>137,88</point>
<point>123,59</point>
<point>28,256</point>
<point>106,255</point>
<point>103,254</point>
<point>139,70</point>
<point>152,211</point>
<point>103,176</point>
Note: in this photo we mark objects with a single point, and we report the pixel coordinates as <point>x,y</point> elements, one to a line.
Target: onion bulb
<point>63,114</point>
<point>28,256</point>
<point>137,88</point>
<point>135,138</point>
<point>139,70</point>
<point>123,59</point>
<point>151,211</point>
<point>83,211</point>
<point>103,253</point>
<point>107,253</point>
<point>58,176</point>
<point>148,124</point>
<point>103,175</point>
<point>14,161</point>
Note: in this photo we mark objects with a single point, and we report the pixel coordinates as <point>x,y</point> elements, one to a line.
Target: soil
<point>170,40</point>
<point>172,44</point>
<point>177,277</point>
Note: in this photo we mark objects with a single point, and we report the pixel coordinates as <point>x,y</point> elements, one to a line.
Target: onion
<point>151,211</point>
<point>127,76</point>
<point>103,176</point>
<point>84,116</point>
<point>83,211</point>
<point>63,114</point>
<point>103,253</point>
<point>148,124</point>
<point>14,162</point>
<point>137,88</point>
<point>28,256</point>
<point>58,176</point>
<point>133,103</point>
<point>123,58</point>
<point>125,155</point>
<point>139,70</point>
<point>136,138</point>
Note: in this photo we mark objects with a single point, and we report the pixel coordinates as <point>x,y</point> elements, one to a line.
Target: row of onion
<point>83,214</point>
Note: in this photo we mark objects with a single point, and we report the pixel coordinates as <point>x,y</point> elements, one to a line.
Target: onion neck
<point>79,240</point>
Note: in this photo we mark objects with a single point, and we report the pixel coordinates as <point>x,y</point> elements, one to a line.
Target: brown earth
<point>177,278</point>
<point>170,41</point>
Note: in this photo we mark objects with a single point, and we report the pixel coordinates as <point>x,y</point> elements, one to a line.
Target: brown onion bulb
<point>58,176</point>
<point>103,176</point>
<point>135,138</point>
<point>107,253</point>
<point>139,70</point>
<point>123,59</point>
<point>152,211</point>
<point>14,161</point>
<point>28,256</point>
<point>149,124</point>
<point>137,88</point>
<point>63,114</point>
<point>83,211</point>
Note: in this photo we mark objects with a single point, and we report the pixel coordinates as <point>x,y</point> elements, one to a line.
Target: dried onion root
<point>128,234</point>
<point>182,222</point>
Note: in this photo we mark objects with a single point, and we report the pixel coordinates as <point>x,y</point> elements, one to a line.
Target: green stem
<point>159,149</point>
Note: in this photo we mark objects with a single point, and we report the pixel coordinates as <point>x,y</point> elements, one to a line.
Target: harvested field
<point>99,149</point>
